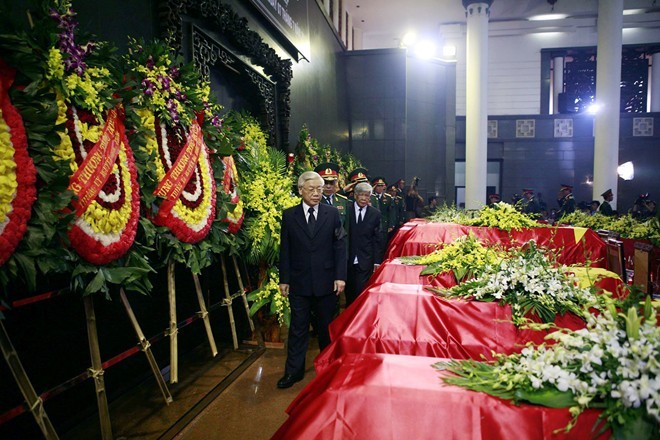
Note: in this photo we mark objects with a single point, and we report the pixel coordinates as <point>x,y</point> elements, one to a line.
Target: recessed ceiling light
<point>547,17</point>
<point>633,11</point>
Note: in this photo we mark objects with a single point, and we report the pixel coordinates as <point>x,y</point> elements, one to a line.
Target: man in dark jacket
<point>364,241</point>
<point>605,207</point>
<point>312,270</point>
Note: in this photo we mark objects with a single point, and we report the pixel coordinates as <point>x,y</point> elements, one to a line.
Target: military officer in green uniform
<point>330,173</point>
<point>529,204</point>
<point>384,202</point>
<point>565,201</point>
<point>354,177</point>
<point>400,207</point>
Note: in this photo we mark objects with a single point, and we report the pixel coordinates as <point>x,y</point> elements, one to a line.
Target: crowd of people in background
<point>532,203</point>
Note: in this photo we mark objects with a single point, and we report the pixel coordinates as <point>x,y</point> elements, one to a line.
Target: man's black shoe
<point>288,379</point>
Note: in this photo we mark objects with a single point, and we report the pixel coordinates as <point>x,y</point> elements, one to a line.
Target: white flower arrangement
<point>529,283</point>
<point>613,364</point>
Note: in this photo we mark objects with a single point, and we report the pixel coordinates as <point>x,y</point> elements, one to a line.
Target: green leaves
<point>550,397</point>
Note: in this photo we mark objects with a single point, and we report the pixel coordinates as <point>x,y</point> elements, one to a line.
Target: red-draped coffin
<point>381,396</point>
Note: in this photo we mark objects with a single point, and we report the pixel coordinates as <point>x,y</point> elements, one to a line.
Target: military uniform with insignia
<point>529,204</point>
<point>565,201</point>
<point>385,203</point>
<point>330,173</point>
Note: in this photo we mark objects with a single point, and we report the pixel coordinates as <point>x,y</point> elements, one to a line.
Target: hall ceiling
<point>386,21</point>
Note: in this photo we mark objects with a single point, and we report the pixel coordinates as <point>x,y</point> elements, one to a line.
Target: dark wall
<point>376,85</point>
<point>402,117</point>
<point>318,96</point>
<point>544,162</point>
<point>429,94</point>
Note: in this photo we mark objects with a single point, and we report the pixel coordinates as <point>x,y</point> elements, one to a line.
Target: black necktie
<point>328,199</point>
<point>311,221</point>
<point>360,215</point>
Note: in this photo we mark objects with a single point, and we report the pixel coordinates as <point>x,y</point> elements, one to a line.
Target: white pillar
<point>476,105</point>
<point>608,97</point>
<point>557,82</point>
<point>655,83</point>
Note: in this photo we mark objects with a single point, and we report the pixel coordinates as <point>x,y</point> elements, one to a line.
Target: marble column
<point>655,82</point>
<point>476,108</point>
<point>557,82</point>
<point>608,97</point>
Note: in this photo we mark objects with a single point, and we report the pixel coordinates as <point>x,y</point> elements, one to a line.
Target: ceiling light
<point>633,11</point>
<point>542,17</point>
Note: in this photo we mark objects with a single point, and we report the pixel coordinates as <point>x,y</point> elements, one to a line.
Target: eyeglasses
<point>316,190</point>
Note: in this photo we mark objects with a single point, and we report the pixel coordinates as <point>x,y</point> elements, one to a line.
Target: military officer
<point>529,204</point>
<point>493,198</point>
<point>330,173</point>
<point>399,207</point>
<point>605,208</point>
<point>384,202</point>
<point>565,200</point>
<point>356,176</point>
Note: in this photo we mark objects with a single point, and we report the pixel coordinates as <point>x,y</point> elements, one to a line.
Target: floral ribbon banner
<point>17,172</point>
<point>186,182</point>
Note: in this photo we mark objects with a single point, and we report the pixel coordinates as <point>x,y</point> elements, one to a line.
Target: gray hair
<point>309,175</point>
<point>363,187</point>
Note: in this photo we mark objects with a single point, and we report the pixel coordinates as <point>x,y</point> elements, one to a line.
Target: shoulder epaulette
<point>341,196</point>
<point>387,196</point>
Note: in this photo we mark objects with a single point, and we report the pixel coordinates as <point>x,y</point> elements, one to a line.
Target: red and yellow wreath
<point>172,103</point>
<point>104,178</point>
<point>186,182</point>
<point>93,141</point>
<point>17,172</point>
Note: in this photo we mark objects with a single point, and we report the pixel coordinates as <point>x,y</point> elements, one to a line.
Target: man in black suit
<point>312,270</point>
<point>364,241</point>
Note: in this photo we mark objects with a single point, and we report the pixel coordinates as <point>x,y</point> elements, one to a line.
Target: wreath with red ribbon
<point>18,177</point>
<point>107,212</point>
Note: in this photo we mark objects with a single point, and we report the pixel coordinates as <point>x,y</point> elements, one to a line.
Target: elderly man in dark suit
<point>364,241</point>
<point>312,270</point>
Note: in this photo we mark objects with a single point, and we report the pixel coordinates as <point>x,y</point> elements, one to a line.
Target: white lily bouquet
<point>612,364</point>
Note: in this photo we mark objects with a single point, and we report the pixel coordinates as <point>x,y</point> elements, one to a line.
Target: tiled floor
<point>232,396</point>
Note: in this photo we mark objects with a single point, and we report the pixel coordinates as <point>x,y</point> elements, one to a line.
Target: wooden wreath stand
<point>229,298</point>
<point>146,348</point>
<point>96,371</point>
<point>173,328</point>
<point>33,401</point>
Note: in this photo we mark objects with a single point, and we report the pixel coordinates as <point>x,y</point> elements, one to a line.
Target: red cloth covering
<point>573,245</point>
<point>381,396</point>
<point>405,319</point>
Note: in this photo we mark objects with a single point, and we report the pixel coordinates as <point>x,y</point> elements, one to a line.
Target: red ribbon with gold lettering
<point>175,180</point>
<point>93,173</point>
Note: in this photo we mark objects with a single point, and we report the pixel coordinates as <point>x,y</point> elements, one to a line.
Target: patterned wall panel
<point>563,128</point>
<point>525,128</point>
<point>642,127</point>
<point>492,129</point>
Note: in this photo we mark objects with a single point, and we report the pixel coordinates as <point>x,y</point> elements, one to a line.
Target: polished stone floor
<point>232,396</point>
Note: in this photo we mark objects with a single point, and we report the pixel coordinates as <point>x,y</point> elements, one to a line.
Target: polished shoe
<point>289,379</point>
